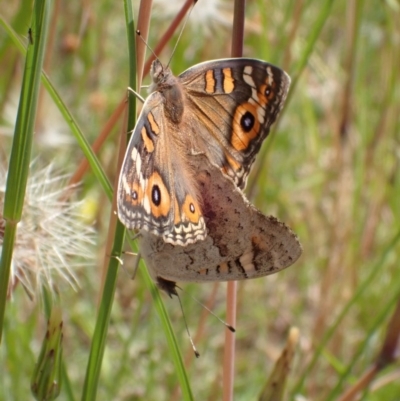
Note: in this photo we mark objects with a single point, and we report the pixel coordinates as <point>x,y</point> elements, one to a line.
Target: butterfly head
<point>160,75</point>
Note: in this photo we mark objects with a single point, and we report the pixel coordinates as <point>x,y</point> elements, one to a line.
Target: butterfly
<point>242,242</point>
<point>220,109</point>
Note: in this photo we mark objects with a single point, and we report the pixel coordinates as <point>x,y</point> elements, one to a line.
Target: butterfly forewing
<point>150,195</point>
<point>234,103</point>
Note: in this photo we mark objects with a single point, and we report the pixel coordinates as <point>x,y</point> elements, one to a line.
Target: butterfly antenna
<point>186,325</point>
<point>145,43</point>
<point>228,326</point>
<point>180,34</point>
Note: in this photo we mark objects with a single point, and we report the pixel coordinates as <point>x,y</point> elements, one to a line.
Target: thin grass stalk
<point>143,26</point>
<point>171,340</point>
<point>228,377</point>
<point>22,144</point>
<point>294,27</point>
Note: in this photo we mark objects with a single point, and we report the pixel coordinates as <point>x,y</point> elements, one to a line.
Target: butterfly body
<point>221,109</point>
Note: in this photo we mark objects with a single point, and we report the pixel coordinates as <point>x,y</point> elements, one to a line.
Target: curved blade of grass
<point>22,144</point>
<point>80,137</point>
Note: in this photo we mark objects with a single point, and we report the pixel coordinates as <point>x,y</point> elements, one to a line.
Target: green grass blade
<point>102,322</point>
<point>103,317</point>
<point>23,134</point>
<point>131,36</point>
<point>22,144</point>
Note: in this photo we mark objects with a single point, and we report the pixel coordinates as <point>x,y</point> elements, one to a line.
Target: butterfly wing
<point>241,243</point>
<point>149,195</point>
<point>232,105</point>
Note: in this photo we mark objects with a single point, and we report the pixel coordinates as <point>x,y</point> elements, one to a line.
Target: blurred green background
<point>330,171</point>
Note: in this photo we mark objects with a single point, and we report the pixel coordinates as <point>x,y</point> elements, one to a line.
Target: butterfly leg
<point>136,94</point>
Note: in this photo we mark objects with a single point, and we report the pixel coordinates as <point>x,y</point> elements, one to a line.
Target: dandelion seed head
<point>53,241</point>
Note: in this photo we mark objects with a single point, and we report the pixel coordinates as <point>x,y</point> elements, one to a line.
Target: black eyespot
<point>156,195</point>
<point>192,208</point>
<point>247,121</point>
<point>268,91</point>
<point>134,195</point>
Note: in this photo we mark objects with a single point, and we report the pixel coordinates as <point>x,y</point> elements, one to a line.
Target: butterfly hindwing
<point>241,243</point>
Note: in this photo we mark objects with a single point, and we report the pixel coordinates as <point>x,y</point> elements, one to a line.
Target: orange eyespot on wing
<point>245,126</point>
<point>157,196</point>
<point>191,209</point>
<point>189,224</point>
<point>135,194</point>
